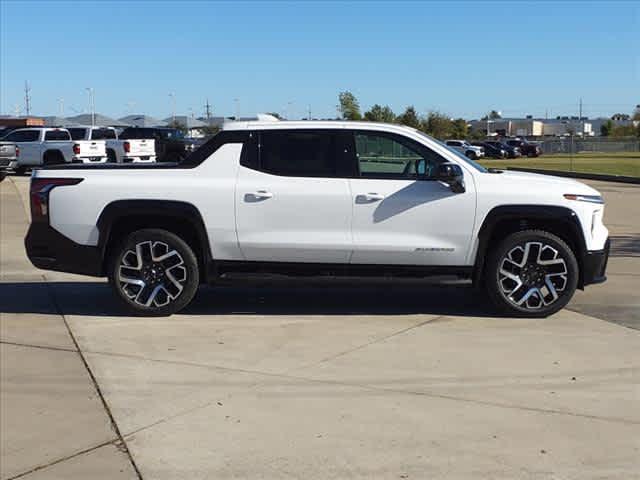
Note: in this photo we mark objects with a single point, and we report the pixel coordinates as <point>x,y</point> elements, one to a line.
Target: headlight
<point>585,198</point>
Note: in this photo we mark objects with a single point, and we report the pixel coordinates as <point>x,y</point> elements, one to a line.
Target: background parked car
<point>8,157</point>
<point>131,146</point>
<point>527,148</point>
<point>511,152</point>
<point>491,150</point>
<point>89,143</point>
<point>41,146</point>
<point>466,148</point>
<point>170,143</point>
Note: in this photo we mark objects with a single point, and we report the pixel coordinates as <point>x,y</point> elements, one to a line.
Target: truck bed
<point>116,166</point>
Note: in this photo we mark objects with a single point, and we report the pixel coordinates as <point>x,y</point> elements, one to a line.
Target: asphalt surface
<point>389,379</point>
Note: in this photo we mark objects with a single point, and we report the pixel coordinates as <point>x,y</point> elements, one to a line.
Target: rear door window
<point>23,136</point>
<point>298,153</point>
<point>56,135</point>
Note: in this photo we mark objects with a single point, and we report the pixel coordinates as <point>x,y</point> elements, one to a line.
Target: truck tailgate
<point>142,148</point>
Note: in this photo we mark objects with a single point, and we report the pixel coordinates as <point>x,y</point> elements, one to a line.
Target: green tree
<point>178,126</point>
<point>378,113</point>
<point>409,117</point>
<point>438,125</point>
<point>623,131</point>
<point>493,115</point>
<point>349,107</point>
<point>459,128</point>
<point>636,114</point>
<point>606,128</point>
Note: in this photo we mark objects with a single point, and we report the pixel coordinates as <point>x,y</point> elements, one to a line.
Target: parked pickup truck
<point>90,143</point>
<point>170,143</point>
<point>8,157</point>
<point>530,149</point>
<point>466,148</point>
<point>41,146</point>
<point>318,198</point>
<point>129,147</point>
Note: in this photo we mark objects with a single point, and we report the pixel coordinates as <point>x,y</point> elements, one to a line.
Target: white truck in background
<point>127,148</point>
<point>90,144</point>
<point>40,146</point>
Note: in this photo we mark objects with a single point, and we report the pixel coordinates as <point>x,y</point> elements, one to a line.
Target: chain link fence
<point>589,145</point>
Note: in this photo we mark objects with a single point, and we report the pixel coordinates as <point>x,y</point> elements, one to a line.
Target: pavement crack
<point>63,459</point>
<point>365,345</point>
<point>105,405</point>
<point>43,347</point>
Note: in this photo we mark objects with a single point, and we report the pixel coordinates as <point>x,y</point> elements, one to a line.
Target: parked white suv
<point>41,146</point>
<point>313,198</point>
<point>471,151</point>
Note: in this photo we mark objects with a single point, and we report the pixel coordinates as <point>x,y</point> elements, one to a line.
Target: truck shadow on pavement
<point>388,298</point>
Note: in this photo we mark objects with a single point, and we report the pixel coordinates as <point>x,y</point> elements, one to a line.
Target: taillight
<point>76,149</point>
<point>39,193</point>
<point>17,151</point>
<point>127,147</point>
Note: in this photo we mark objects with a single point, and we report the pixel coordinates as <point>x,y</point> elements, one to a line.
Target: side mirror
<point>451,174</point>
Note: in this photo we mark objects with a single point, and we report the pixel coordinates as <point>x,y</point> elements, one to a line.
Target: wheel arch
<point>506,219</point>
<point>121,217</point>
<point>53,151</point>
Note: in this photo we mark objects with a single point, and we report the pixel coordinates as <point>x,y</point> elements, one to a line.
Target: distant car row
<point>509,148</point>
<point>27,147</point>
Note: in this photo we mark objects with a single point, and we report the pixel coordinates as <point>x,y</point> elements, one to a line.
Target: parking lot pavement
<point>382,380</point>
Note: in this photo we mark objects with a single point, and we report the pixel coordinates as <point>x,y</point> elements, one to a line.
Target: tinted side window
<point>298,153</point>
<point>56,135</point>
<point>382,155</point>
<point>24,136</point>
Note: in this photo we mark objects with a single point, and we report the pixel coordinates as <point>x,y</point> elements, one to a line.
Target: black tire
<point>3,175</point>
<point>20,170</point>
<point>161,278</point>
<point>111,156</point>
<point>554,288</point>
<point>472,155</point>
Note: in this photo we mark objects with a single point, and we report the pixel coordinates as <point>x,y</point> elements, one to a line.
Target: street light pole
<point>92,105</point>
<point>173,107</point>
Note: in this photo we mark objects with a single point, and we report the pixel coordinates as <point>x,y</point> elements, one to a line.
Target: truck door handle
<point>369,197</point>
<point>258,195</point>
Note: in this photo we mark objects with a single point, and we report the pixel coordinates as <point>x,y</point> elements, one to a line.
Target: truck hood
<point>529,179</point>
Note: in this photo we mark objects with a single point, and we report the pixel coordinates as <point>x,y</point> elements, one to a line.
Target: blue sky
<point>462,58</point>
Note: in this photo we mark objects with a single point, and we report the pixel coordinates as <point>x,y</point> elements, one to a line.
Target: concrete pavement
<point>388,380</point>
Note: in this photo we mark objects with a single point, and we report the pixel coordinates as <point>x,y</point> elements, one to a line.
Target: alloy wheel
<point>152,274</point>
<point>533,275</point>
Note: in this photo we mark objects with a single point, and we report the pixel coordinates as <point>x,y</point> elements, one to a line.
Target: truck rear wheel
<point>532,273</point>
<point>154,272</point>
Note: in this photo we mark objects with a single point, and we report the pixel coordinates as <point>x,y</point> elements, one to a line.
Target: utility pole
<point>207,110</point>
<point>61,106</point>
<point>237,102</point>
<point>309,113</point>
<point>580,114</point>
<point>27,98</point>
<point>92,105</point>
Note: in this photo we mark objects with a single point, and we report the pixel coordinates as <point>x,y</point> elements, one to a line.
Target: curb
<point>586,176</point>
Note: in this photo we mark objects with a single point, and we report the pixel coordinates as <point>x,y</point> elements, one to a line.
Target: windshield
<point>461,156</point>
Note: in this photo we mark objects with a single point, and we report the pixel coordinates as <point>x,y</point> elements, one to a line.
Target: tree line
<point>434,123</point>
<point>443,127</point>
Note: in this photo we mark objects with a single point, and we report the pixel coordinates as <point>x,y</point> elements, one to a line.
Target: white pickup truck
<point>41,146</point>
<point>318,198</point>
<point>90,143</point>
<point>471,151</point>
<point>128,147</point>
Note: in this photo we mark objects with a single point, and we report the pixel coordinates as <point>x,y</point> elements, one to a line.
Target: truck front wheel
<point>531,273</point>
<point>153,272</point>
